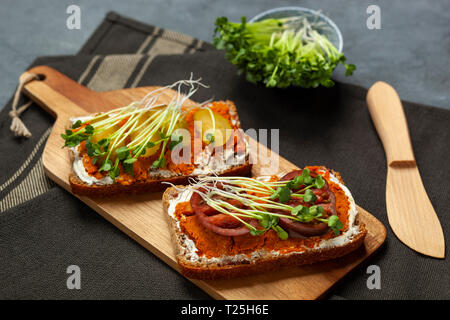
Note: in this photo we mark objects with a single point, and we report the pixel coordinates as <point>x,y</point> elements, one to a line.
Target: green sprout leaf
<point>160,163</point>
<point>89,129</point>
<point>210,137</point>
<point>175,140</point>
<point>256,232</point>
<point>319,182</point>
<point>349,69</point>
<point>130,160</point>
<point>122,153</point>
<point>298,209</point>
<point>265,221</point>
<point>307,179</point>
<point>283,235</point>
<point>162,135</point>
<point>285,195</point>
<point>94,149</point>
<point>115,172</point>
<point>106,166</point>
<point>296,182</point>
<point>77,124</point>
<point>128,168</point>
<point>275,194</point>
<point>282,193</point>
<point>90,148</point>
<point>335,224</point>
<point>309,196</point>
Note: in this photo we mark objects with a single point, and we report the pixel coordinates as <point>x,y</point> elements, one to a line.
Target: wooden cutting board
<point>142,218</point>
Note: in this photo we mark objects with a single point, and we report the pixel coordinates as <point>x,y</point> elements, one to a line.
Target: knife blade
<point>410,212</point>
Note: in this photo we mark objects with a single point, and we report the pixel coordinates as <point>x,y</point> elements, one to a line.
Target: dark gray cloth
<point>331,127</point>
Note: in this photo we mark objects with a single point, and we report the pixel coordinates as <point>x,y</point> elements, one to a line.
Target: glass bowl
<point>320,22</point>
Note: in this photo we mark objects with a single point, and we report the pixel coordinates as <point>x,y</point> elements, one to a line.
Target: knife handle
<point>389,119</point>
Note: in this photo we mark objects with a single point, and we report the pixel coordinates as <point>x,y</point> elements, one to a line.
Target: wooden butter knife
<point>410,212</point>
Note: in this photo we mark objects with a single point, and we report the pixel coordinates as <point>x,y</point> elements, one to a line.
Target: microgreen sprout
<point>280,52</point>
<point>128,132</point>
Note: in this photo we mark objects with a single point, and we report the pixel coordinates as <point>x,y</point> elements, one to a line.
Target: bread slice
<point>200,267</point>
<point>153,184</point>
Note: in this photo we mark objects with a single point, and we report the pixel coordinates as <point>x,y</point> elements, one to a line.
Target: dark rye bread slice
<point>81,188</point>
<point>244,267</point>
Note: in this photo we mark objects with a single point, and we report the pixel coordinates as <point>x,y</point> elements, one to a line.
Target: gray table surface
<point>411,51</point>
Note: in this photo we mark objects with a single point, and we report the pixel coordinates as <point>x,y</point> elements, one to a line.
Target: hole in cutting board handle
<point>41,77</point>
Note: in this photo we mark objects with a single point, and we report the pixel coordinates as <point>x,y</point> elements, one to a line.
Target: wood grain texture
<point>389,119</point>
<point>410,212</point>
<point>142,217</point>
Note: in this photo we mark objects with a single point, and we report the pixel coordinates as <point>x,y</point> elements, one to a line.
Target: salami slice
<point>325,199</point>
<point>223,227</point>
<point>220,223</point>
<point>199,205</point>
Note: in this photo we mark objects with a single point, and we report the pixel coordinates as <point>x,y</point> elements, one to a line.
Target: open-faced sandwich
<point>226,227</point>
<point>137,147</point>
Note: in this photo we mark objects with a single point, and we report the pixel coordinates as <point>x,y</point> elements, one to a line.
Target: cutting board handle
<point>389,119</point>
<point>55,92</point>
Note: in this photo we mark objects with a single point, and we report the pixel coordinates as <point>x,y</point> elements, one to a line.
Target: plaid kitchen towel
<point>44,229</point>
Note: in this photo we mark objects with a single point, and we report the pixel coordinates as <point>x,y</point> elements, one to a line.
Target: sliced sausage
<point>323,194</point>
